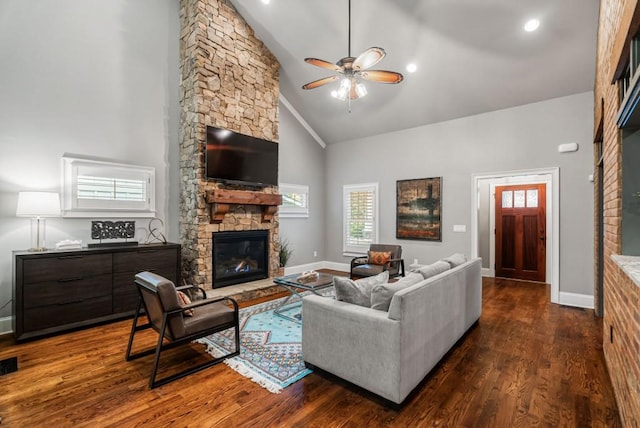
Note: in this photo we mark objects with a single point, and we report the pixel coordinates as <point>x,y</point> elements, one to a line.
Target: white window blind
<point>360,217</point>
<point>99,188</point>
<point>295,200</point>
<point>111,189</point>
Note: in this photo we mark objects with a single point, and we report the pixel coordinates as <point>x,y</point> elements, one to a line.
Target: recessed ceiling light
<point>412,68</point>
<point>531,25</point>
<point>266,1</point>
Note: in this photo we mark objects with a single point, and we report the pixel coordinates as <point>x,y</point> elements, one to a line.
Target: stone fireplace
<point>229,79</point>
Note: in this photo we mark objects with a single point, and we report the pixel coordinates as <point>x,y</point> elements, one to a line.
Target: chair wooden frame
<point>172,343</point>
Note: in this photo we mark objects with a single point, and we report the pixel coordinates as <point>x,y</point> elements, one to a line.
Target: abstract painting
<point>418,209</point>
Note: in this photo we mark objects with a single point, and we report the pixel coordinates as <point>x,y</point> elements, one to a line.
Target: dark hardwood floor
<point>526,363</point>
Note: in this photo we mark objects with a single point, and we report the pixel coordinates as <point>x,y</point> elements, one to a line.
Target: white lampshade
<point>38,204</point>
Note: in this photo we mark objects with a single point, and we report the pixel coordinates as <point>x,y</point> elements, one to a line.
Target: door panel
<point>529,242</point>
<point>508,223</point>
<point>521,232</point>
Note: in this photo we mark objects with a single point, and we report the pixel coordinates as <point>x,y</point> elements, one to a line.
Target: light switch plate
<point>459,227</point>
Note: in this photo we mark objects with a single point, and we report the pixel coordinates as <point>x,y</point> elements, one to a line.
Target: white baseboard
<point>5,325</point>
<point>344,267</point>
<point>302,268</point>
<point>487,272</point>
<point>576,300</point>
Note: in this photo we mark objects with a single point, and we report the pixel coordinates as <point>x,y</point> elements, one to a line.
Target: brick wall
<point>620,293</point>
<point>229,80</point>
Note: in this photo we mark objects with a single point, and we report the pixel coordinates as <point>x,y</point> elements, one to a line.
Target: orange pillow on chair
<point>183,299</point>
<point>379,257</point>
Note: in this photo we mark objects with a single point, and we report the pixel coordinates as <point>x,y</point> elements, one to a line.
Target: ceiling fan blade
<point>323,64</point>
<point>320,82</point>
<point>368,58</point>
<point>382,76</point>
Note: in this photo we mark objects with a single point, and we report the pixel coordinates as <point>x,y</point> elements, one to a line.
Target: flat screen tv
<point>237,158</point>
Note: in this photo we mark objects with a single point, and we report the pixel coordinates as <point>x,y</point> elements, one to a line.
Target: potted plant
<point>285,254</point>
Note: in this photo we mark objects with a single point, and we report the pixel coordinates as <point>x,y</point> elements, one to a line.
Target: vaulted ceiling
<point>472,56</point>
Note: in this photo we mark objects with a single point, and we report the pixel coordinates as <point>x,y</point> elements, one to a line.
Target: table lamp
<point>38,205</point>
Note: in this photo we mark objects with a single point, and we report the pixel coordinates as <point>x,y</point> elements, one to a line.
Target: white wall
<point>519,138</point>
<point>89,77</point>
<point>302,161</point>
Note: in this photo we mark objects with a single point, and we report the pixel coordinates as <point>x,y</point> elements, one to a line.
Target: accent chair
<point>178,323</point>
<point>380,258</point>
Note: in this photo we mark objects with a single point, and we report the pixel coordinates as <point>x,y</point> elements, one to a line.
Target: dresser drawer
<point>145,259</point>
<point>67,313</point>
<point>63,268</point>
<point>66,290</point>
<point>125,293</point>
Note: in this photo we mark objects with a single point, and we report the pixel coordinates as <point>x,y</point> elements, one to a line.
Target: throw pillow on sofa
<point>455,259</point>
<point>433,269</point>
<point>358,292</point>
<point>382,294</point>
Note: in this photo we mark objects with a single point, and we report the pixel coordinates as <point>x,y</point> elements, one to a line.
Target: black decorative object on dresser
<point>57,291</point>
<point>103,229</point>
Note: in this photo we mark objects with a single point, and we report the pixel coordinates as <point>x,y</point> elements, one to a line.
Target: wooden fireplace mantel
<point>221,201</point>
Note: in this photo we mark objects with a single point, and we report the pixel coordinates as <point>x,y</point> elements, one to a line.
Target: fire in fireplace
<point>240,257</point>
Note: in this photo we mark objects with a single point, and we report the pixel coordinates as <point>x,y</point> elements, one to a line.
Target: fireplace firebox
<point>240,257</point>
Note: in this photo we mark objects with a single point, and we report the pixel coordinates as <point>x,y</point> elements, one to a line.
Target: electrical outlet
<point>315,254</point>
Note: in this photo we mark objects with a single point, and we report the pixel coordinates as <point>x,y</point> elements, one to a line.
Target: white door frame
<point>549,176</point>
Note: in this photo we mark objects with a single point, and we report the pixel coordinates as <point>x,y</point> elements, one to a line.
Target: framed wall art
<point>418,209</point>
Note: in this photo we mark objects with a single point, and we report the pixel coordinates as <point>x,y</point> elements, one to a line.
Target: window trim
<point>357,250</point>
<point>294,212</point>
<point>72,165</point>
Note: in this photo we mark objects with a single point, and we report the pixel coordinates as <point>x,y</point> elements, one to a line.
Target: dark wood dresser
<point>56,291</point>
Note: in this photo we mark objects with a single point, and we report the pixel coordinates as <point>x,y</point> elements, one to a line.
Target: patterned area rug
<point>270,346</point>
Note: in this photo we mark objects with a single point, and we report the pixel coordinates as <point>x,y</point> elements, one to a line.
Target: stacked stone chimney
<point>229,80</point>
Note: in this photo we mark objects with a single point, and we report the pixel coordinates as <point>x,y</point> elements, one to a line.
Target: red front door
<point>521,232</point>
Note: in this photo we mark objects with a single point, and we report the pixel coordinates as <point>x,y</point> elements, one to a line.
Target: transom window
<point>295,200</point>
<point>108,189</point>
<point>520,198</point>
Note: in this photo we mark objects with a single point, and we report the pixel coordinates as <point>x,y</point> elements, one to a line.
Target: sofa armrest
<point>358,344</point>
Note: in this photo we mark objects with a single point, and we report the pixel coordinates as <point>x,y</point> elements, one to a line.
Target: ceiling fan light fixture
<point>349,70</point>
<point>343,91</point>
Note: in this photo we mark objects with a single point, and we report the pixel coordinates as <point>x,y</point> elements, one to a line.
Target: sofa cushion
<point>433,269</point>
<point>358,292</point>
<point>381,295</point>
<point>379,257</point>
<point>455,259</point>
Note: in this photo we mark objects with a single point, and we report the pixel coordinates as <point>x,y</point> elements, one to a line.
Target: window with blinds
<point>111,189</point>
<point>360,217</point>
<point>99,188</point>
<point>295,200</point>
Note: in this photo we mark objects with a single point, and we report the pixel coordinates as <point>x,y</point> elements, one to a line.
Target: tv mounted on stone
<point>237,158</point>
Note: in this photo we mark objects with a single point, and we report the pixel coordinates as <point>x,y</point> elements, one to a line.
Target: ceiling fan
<point>351,69</point>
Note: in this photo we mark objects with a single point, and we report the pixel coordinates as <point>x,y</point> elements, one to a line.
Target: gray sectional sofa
<point>389,353</point>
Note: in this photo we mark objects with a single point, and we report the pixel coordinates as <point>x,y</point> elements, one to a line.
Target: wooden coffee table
<point>295,288</point>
